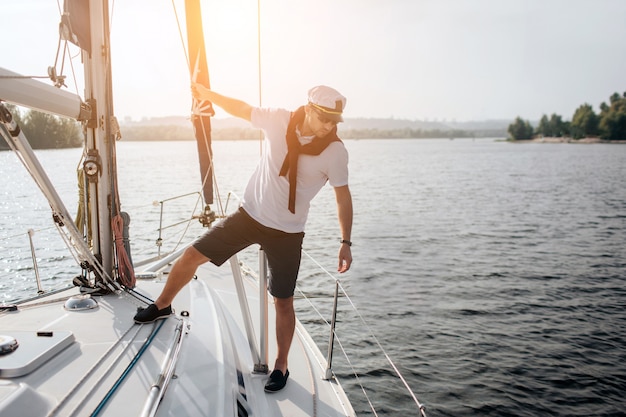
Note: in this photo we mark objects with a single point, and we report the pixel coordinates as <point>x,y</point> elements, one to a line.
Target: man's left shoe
<point>277,381</point>
<point>152,313</point>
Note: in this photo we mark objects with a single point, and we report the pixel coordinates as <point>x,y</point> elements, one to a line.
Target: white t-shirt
<point>267,193</point>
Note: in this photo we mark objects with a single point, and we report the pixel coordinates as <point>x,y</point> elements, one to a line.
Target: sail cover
<point>75,24</point>
<point>203,110</point>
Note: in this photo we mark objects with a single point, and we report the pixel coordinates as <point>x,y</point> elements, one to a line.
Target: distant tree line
<point>152,133</point>
<point>177,133</point>
<point>408,133</point>
<point>609,124</point>
<point>45,131</point>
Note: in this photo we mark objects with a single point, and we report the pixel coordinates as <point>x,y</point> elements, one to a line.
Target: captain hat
<point>329,101</point>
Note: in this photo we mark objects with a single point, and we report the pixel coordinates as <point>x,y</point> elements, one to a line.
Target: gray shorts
<point>238,231</point>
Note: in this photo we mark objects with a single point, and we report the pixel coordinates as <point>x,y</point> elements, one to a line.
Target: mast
<point>201,111</point>
<point>86,24</point>
<point>100,140</point>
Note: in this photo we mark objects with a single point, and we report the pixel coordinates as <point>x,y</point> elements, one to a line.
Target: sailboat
<point>76,351</point>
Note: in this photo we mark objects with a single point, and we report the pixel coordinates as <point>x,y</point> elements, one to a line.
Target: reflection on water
<point>492,273</point>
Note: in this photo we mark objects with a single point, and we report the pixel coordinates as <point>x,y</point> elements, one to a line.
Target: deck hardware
<point>8,344</point>
<point>80,303</point>
<point>31,232</point>
<point>245,308</point>
<point>92,165</point>
<point>331,339</point>
<point>262,365</point>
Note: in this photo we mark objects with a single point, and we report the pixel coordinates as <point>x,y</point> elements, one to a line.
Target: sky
<point>436,60</point>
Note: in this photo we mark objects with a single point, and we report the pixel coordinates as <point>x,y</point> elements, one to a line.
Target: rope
<point>88,374</point>
<point>132,364</point>
<point>125,270</point>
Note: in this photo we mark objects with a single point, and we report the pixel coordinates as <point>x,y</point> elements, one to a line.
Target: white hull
<point>107,370</point>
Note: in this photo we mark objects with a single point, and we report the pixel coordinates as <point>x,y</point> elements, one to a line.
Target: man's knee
<point>283,304</point>
<point>191,256</point>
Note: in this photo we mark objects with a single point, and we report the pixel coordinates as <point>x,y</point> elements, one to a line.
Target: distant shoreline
<point>568,140</point>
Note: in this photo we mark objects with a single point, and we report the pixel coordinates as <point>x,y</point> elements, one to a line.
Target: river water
<point>491,273</point>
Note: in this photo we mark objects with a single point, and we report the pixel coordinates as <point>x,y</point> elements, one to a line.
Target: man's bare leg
<point>285,327</point>
<point>182,272</point>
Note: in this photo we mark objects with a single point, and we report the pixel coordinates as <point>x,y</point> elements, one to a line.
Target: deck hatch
<point>35,349</point>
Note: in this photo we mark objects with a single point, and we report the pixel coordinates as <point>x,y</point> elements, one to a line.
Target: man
<point>301,153</point>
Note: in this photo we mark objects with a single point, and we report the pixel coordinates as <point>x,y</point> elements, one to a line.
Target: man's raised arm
<point>231,105</point>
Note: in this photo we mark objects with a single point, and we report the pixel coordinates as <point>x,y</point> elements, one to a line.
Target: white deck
<point>100,372</point>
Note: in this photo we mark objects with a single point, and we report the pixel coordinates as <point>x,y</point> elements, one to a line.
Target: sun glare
<point>149,46</point>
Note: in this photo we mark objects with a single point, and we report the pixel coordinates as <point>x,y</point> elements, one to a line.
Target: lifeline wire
<point>420,406</point>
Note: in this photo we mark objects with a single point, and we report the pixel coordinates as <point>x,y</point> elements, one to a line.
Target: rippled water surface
<point>492,273</point>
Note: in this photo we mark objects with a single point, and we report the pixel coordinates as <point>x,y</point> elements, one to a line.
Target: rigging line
<point>180,34</point>
<point>22,303</point>
<point>65,51</point>
<point>189,220</point>
<point>188,224</point>
<point>343,350</point>
<point>25,304</point>
<point>259,68</point>
<point>138,296</point>
<point>56,57</point>
<point>258,13</point>
<point>88,373</point>
<point>200,112</point>
<point>110,125</point>
<point>60,11</point>
<point>26,233</point>
<point>4,77</point>
<point>63,57</point>
<point>216,193</point>
<point>74,250</point>
<point>130,366</point>
<point>356,375</point>
<point>72,69</point>
<point>123,263</point>
<point>65,235</point>
<point>369,329</point>
<point>78,255</point>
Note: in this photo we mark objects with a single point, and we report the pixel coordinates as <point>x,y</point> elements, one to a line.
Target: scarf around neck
<point>295,149</point>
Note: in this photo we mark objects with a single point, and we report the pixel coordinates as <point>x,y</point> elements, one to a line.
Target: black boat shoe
<point>277,381</point>
<point>152,313</point>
